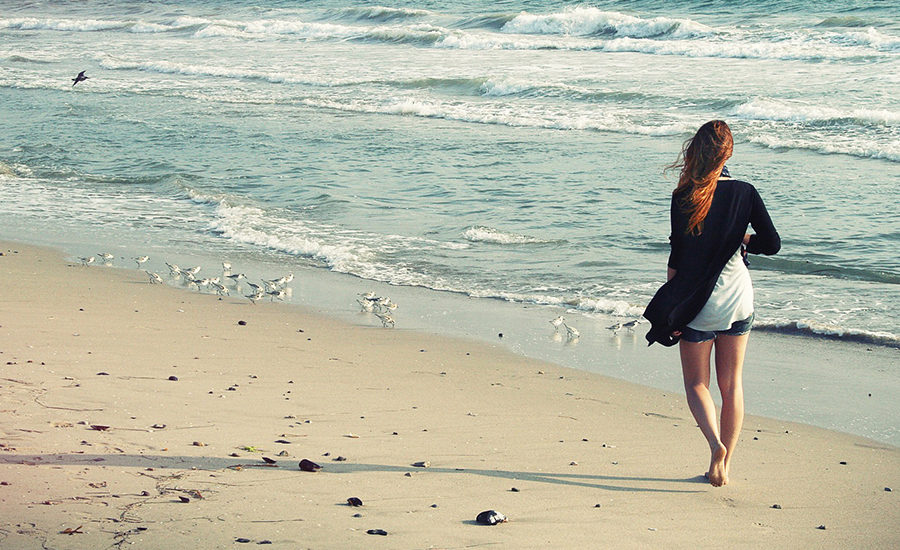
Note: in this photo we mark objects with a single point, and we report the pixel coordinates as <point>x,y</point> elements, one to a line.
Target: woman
<point>707,303</point>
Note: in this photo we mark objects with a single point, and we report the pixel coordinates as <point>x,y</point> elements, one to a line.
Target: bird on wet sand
<point>141,259</point>
<point>80,78</point>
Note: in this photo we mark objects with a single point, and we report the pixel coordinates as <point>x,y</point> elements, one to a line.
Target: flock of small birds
<point>276,289</point>
<point>380,306</point>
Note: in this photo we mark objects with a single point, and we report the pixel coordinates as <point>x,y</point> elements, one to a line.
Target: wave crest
<point>484,234</point>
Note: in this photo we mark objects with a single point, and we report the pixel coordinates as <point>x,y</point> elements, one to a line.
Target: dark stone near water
<point>821,527</point>
<point>887,489</point>
<point>381,532</point>
<point>173,378</point>
<point>242,540</point>
<point>776,506</point>
<point>514,490</point>
<point>268,460</point>
<point>309,466</point>
<point>491,517</point>
<point>242,323</point>
<point>353,501</point>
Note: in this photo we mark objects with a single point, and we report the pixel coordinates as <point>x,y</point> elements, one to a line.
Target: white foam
<point>482,234</point>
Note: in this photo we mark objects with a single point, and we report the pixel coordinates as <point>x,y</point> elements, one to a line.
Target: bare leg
<point>730,351</point>
<point>695,368</point>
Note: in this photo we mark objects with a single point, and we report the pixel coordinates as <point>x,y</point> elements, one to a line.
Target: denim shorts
<point>737,328</point>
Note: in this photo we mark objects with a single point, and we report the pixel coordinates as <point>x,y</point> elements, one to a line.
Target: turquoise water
<point>506,151</point>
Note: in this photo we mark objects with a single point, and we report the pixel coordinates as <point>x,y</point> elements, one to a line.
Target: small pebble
<point>776,506</point>
<point>340,459</point>
<point>357,515</point>
<point>199,444</point>
<point>173,378</point>
<point>887,489</point>
<point>822,527</point>
<point>242,323</point>
<point>184,499</point>
<point>491,517</point>
<point>843,463</point>
<point>514,490</point>
<point>354,501</point>
<point>381,532</point>
<point>242,540</point>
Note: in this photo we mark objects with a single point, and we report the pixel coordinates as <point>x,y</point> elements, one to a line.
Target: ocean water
<point>507,152</point>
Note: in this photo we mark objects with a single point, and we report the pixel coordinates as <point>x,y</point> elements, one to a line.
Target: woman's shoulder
<point>733,185</point>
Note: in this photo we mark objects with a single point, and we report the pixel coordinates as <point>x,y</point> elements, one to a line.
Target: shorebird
<point>256,288</point>
<point>192,271</point>
<point>615,328</point>
<point>571,332</point>
<point>174,270</point>
<point>558,321</point>
<point>106,256</point>
<point>80,78</point>
<point>384,304</point>
<point>220,288</point>
<point>86,261</point>
<point>367,305</point>
<point>277,293</point>
<point>631,324</point>
<point>154,278</point>
<point>385,319</point>
<point>235,277</point>
<point>226,267</point>
<point>256,296</point>
<point>140,260</point>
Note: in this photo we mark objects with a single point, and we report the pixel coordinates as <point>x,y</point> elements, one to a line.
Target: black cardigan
<point>698,260</point>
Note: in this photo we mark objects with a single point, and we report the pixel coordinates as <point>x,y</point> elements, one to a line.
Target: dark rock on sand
<point>353,501</point>
<point>491,517</point>
<point>309,466</point>
<point>381,532</point>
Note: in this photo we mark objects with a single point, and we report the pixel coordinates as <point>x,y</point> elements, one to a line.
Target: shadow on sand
<point>209,463</point>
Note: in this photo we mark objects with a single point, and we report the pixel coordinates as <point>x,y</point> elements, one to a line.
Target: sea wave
<point>889,151</point>
<point>376,13</point>
<point>822,330</point>
<point>498,115</point>
<point>483,234</point>
<point>587,21</point>
<point>771,109</point>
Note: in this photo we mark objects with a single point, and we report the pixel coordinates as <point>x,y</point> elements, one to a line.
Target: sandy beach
<point>135,414</point>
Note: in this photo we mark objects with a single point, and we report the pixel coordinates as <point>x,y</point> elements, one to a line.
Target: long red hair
<point>701,161</point>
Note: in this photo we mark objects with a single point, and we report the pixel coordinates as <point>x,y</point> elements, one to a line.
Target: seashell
<point>309,466</point>
<point>268,460</point>
<point>491,517</point>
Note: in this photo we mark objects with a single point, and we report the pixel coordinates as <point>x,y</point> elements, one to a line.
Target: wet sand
<point>140,413</point>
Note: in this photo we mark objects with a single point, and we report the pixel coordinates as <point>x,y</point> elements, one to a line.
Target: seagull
<point>154,278</point>
<point>86,261</point>
<point>558,321</point>
<point>571,332</point>
<point>140,260</point>
<point>80,78</point>
<point>615,328</point>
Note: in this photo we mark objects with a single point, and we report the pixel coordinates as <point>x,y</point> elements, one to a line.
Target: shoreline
<point>850,387</point>
<point>122,399</point>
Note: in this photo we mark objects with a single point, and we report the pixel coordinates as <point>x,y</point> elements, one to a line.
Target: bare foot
<point>717,475</point>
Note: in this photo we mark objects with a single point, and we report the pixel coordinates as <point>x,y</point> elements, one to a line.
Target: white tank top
<point>731,299</point>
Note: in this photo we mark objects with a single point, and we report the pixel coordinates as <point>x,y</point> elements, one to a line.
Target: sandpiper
<point>154,278</point>
<point>557,322</point>
<point>141,259</point>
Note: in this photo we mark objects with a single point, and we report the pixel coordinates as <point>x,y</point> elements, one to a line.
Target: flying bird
<point>80,78</point>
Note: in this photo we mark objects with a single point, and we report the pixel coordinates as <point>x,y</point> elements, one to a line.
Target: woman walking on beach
<point>707,303</point>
